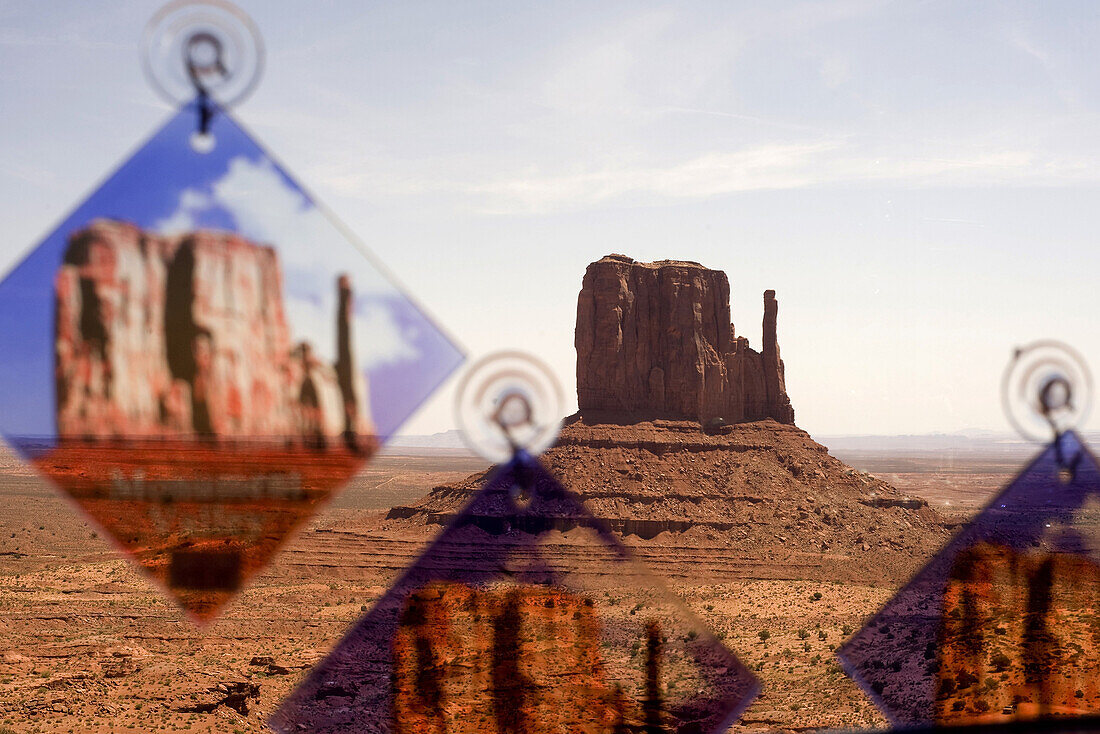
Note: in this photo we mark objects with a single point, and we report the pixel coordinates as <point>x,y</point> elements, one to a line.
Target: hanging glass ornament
<point>199,356</point>
<point>1002,624</point>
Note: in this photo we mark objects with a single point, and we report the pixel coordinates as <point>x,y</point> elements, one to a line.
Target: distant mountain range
<point>446,441</point>
<point>970,442</point>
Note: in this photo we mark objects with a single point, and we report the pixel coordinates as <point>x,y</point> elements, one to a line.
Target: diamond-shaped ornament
<point>1002,624</point>
<point>199,357</point>
<point>524,615</point>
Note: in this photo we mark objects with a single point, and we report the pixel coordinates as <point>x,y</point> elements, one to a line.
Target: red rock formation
<point>654,340</point>
<point>776,403</point>
<point>187,337</point>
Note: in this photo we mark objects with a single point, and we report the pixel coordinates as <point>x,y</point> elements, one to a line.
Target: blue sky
<point>915,179</point>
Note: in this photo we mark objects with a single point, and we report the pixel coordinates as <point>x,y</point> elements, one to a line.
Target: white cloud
<point>191,199</point>
<point>377,338</point>
<point>179,221</point>
<point>807,159</point>
<point>765,167</point>
<point>312,252</point>
<point>660,105</point>
<point>376,322</point>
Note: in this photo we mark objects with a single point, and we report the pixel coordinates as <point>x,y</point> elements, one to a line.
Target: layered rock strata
<point>762,500</point>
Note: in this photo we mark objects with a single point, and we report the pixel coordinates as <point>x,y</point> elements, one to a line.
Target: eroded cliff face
<point>654,340</point>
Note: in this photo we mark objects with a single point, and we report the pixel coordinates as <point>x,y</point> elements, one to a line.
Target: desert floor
<point>90,645</point>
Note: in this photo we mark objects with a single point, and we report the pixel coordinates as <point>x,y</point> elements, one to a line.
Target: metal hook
<point>196,68</point>
<point>506,423</point>
<point>1057,394</point>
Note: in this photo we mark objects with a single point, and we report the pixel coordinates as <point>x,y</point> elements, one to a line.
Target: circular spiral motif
<point>207,44</point>
<point>509,401</point>
<point>1047,390</point>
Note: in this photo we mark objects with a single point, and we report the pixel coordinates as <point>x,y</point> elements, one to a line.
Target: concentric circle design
<point>1047,390</point>
<point>210,44</point>
<point>509,401</point>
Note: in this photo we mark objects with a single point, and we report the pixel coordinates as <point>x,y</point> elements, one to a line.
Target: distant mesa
<point>654,340</point>
<point>685,436</point>
<point>186,337</point>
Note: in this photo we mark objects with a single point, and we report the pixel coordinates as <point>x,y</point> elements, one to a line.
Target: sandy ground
<point>89,644</point>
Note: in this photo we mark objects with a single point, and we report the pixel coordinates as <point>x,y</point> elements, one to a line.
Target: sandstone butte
<point>685,444</point>
<point>654,340</point>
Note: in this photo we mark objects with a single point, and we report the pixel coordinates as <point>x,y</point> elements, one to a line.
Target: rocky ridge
<point>761,499</point>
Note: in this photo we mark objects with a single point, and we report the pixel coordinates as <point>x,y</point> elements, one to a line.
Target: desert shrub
<point>764,636</point>
<point>1001,662</point>
<point>965,679</point>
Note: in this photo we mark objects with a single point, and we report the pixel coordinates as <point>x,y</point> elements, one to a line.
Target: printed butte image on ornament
<point>199,356</point>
